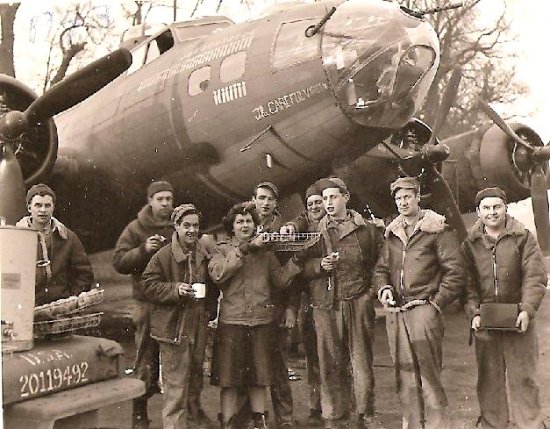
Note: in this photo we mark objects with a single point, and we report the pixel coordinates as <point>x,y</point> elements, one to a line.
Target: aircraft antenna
<point>421,13</point>
<point>312,30</point>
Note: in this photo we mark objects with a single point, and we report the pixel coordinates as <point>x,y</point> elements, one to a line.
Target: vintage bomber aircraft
<point>511,156</point>
<point>216,107</point>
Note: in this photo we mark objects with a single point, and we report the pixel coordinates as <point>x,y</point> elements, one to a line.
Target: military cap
<point>405,183</point>
<point>182,210</point>
<point>312,190</point>
<point>159,186</point>
<point>494,191</point>
<point>268,185</point>
<point>39,189</point>
<point>332,182</point>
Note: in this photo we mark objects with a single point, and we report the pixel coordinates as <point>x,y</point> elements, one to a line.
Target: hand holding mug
<point>185,289</point>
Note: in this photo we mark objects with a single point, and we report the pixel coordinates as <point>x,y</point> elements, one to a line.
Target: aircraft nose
<point>380,61</point>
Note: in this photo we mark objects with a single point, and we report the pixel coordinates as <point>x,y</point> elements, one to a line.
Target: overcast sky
<point>531,21</point>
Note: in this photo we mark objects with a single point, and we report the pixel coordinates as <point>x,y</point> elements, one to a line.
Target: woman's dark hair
<point>242,209</point>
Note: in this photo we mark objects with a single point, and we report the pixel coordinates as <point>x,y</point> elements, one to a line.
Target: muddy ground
<point>459,374</point>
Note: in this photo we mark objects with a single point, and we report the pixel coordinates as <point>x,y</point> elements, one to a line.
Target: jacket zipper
<point>402,274</point>
<point>495,274</point>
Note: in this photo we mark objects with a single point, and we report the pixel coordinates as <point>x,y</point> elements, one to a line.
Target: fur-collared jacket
<point>69,272</point>
<point>130,256</point>
<point>358,243</point>
<point>173,316</point>
<point>427,265</point>
<point>517,261</point>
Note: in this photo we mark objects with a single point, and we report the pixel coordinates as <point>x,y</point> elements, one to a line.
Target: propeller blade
<point>79,86</point>
<point>442,201</point>
<point>541,153</point>
<point>495,117</point>
<point>539,200</point>
<point>12,188</point>
<point>446,102</point>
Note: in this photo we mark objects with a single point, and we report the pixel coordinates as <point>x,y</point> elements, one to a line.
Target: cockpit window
<point>146,53</point>
<point>138,57</point>
<point>152,52</point>
<point>199,80</point>
<point>292,46</point>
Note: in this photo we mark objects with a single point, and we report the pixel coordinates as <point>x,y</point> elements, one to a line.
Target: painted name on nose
<point>284,102</point>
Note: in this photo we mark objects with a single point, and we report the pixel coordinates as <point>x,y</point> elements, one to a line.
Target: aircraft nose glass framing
<point>380,62</point>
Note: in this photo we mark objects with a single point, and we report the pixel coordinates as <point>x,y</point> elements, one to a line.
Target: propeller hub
<point>12,125</point>
<point>522,158</point>
<point>435,153</point>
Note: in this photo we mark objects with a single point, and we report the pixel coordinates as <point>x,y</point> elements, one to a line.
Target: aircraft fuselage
<point>216,113</point>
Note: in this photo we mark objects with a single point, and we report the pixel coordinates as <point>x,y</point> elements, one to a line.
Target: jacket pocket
<point>165,322</point>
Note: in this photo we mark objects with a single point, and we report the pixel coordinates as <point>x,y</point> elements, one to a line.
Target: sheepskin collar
<point>513,227</point>
<point>429,222</point>
<point>56,226</point>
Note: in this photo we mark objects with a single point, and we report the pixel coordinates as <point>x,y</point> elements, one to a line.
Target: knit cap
<point>182,210</point>
<point>159,186</point>
<point>494,191</point>
<point>39,189</point>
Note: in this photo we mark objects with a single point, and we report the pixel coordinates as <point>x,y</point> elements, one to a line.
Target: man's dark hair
<point>242,209</point>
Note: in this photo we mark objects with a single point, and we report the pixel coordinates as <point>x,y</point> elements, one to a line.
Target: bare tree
<point>482,51</point>
<point>80,28</point>
<point>136,12</point>
<point>7,18</point>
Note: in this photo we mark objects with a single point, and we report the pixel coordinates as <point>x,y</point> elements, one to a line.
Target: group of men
<point>415,267</point>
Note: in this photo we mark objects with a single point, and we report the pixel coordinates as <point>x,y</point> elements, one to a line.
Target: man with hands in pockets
<point>419,271</point>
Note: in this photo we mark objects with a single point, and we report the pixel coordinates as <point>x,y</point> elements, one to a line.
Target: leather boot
<point>314,419</point>
<point>198,419</point>
<point>140,419</point>
<point>259,421</point>
<point>226,425</point>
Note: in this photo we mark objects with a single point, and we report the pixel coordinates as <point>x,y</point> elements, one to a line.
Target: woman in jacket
<point>247,274</point>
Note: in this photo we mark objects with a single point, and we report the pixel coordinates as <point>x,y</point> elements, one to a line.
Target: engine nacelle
<point>36,149</point>
<point>507,164</point>
<point>489,157</point>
